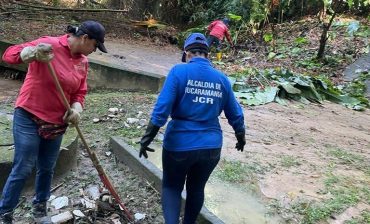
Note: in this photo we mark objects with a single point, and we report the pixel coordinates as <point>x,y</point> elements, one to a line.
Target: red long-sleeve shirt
<point>220,30</point>
<point>38,94</point>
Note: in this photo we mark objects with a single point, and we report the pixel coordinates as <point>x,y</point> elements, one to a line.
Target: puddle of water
<point>228,202</point>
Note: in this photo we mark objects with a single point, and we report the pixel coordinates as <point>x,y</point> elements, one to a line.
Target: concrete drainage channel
<point>110,76</point>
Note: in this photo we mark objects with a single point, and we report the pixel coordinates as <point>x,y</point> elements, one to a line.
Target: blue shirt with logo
<point>195,94</point>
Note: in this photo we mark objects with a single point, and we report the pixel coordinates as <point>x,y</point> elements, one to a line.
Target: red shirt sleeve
<point>12,55</point>
<point>79,96</point>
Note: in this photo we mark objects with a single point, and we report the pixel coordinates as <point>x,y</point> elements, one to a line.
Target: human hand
<point>241,141</point>
<point>150,133</point>
<point>42,52</point>
<point>143,150</point>
<point>73,115</point>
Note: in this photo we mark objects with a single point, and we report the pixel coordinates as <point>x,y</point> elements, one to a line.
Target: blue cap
<point>95,31</point>
<point>195,41</point>
<point>226,21</point>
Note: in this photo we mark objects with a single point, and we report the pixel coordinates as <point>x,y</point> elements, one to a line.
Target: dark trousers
<point>214,40</point>
<point>194,167</point>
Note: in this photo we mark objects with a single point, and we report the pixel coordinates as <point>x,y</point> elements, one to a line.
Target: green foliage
<point>256,87</point>
<point>267,37</point>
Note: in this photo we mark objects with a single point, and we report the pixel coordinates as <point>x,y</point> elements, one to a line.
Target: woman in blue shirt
<point>194,95</point>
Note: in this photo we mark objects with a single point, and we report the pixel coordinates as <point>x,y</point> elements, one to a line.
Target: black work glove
<point>241,141</point>
<point>150,133</point>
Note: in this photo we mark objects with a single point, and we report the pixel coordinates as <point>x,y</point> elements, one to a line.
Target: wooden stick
<point>103,176</point>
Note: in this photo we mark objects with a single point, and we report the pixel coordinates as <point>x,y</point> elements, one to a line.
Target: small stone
<point>127,125</point>
<point>113,110</point>
<point>142,122</point>
<point>52,197</point>
<point>78,213</point>
<point>108,153</point>
<point>62,217</point>
<point>96,120</point>
<point>93,192</point>
<point>139,114</point>
<point>111,115</point>
<point>88,203</point>
<point>132,120</point>
<point>60,202</point>
<point>139,216</point>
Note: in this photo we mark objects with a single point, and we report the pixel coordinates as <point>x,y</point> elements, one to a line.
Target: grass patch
<point>129,103</point>
<point>237,172</point>
<point>363,219</point>
<point>347,158</point>
<point>289,161</point>
<point>351,159</point>
<point>231,171</point>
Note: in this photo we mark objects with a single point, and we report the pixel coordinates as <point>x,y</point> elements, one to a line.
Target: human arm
<point>235,117</point>
<point>35,50</point>
<point>161,111</point>
<point>228,37</point>
<point>77,100</point>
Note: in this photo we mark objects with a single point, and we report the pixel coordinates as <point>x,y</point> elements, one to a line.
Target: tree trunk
<point>324,37</point>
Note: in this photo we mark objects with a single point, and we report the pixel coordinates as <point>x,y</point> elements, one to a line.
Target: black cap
<point>95,31</point>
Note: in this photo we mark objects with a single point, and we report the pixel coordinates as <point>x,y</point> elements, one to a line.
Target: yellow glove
<point>73,115</point>
<point>41,52</point>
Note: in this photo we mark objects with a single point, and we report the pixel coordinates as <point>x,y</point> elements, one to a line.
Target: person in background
<point>194,95</point>
<point>40,117</point>
<point>216,31</point>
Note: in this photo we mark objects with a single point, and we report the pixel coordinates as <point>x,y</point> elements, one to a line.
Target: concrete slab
<point>362,64</point>
<point>110,74</point>
<point>129,156</point>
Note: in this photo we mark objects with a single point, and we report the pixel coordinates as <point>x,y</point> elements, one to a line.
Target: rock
<point>113,110</point>
<point>142,122</point>
<point>132,120</point>
<point>60,202</point>
<point>108,153</point>
<point>93,192</point>
<point>111,115</point>
<point>78,213</point>
<point>52,197</point>
<point>62,217</point>
<point>127,125</point>
<point>88,203</point>
<point>139,216</point>
<point>96,120</point>
<point>139,114</point>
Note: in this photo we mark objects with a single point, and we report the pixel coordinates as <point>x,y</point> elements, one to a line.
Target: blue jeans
<point>193,166</point>
<point>212,39</point>
<point>30,150</point>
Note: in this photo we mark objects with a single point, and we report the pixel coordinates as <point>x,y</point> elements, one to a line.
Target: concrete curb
<point>66,162</point>
<point>143,167</point>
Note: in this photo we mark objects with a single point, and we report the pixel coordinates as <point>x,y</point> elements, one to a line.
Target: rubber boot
<point>218,56</point>
<point>6,218</point>
<point>40,214</point>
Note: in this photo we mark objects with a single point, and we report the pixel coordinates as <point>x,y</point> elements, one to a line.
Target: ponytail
<point>72,29</point>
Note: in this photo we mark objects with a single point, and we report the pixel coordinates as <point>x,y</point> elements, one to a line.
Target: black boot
<point>6,218</point>
<point>40,213</point>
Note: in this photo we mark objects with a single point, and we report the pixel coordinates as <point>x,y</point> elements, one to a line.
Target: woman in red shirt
<point>40,117</point>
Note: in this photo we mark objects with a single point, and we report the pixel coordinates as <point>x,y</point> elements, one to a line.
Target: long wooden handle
<point>103,176</point>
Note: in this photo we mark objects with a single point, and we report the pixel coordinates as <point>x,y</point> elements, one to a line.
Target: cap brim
<point>102,48</point>
<point>183,59</point>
